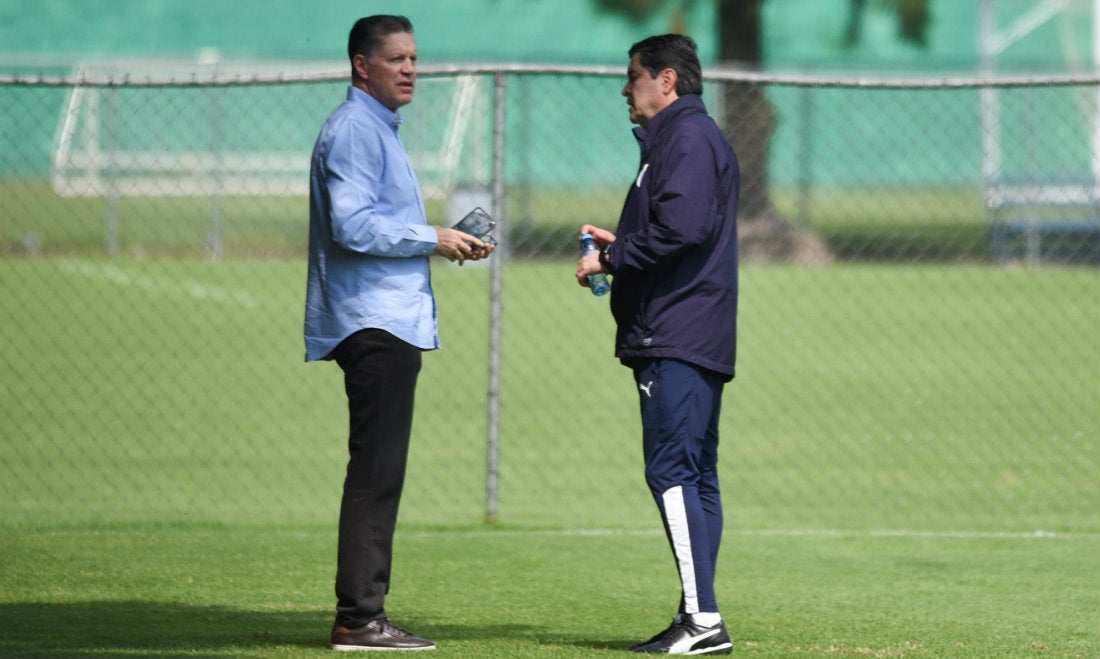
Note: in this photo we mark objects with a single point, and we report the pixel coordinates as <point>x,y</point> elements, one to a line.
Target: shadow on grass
<point>132,628</point>
<point>129,629</point>
<point>531,638</point>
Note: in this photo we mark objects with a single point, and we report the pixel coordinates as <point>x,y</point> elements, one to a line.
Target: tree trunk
<point>749,122</point>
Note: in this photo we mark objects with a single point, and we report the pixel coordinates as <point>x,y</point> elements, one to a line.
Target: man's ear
<point>359,66</point>
<point>668,80</point>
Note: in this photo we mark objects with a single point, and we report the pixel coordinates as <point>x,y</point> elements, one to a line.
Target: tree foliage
<point>913,16</point>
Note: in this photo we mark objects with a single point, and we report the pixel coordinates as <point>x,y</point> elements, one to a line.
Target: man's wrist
<point>605,259</point>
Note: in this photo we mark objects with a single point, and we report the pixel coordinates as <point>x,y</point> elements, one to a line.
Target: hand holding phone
<point>479,224</point>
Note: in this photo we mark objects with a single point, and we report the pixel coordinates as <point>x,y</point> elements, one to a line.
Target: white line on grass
<point>573,533</point>
<point>189,288</point>
<point>783,533</point>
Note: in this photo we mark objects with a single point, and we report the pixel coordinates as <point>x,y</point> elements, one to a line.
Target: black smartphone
<point>478,223</point>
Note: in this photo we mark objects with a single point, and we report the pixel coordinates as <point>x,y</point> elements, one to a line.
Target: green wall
<point>447,30</point>
<point>800,35</point>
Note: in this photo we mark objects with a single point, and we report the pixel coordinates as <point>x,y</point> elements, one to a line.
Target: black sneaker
<point>377,635</point>
<point>683,636</point>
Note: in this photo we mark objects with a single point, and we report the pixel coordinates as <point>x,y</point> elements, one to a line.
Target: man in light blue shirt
<point>367,225</point>
<point>370,307</point>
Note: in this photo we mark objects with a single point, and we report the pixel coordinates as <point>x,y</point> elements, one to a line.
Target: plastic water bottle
<point>597,282</point>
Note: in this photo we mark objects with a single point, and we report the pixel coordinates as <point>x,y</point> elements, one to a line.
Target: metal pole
<point>111,148</point>
<point>215,236</point>
<point>991,147</point>
<point>1096,101</point>
<point>492,449</point>
<point>805,157</point>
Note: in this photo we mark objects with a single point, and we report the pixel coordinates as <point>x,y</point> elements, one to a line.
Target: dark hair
<point>366,35</point>
<point>672,51</point>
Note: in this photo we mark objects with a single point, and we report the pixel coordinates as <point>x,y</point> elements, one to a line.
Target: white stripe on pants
<point>676,515</point>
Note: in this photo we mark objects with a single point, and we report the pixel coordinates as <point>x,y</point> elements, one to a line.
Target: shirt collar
<point>388,117</point>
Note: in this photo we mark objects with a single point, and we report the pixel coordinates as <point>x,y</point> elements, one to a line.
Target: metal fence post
<point>492,450</point>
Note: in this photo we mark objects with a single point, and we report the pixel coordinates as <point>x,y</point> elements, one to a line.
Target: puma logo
<point>645,388</point>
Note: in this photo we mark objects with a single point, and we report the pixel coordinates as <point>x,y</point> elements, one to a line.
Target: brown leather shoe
<point>377,635</point>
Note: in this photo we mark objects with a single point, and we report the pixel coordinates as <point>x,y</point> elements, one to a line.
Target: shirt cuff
<point>427,237</point>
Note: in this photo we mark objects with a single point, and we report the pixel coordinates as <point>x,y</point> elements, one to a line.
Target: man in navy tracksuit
<point>673,259</point>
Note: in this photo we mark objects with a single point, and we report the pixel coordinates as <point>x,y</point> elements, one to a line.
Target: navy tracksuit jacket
<point>674,292</point>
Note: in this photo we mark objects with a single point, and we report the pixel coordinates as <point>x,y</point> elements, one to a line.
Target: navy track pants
<point>680,406</point>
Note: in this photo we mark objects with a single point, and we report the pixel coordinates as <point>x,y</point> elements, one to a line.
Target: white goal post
<point>1046,201</point>
<point>446,133</point>
<point>993,39</point>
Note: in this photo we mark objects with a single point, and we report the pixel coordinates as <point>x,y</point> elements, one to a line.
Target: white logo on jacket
<point>638,181</point>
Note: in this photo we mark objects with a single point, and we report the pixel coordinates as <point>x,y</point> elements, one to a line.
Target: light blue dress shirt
<point>369,239</point>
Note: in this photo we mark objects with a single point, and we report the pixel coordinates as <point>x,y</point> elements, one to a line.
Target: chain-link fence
<point>919,318</point>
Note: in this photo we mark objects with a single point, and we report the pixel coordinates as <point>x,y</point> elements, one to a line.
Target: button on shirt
<point>369,239</point>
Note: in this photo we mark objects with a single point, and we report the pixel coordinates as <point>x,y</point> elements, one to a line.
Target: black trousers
<point>380,373</point>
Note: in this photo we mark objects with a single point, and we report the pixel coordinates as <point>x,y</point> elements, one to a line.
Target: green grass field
<point>909,462</point>
<point>201,591</point>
